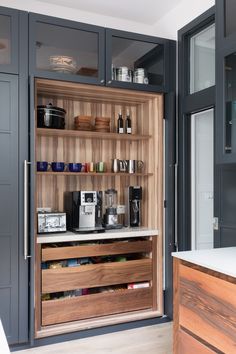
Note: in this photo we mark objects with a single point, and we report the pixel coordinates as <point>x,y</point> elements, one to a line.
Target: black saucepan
<point>50,116</point>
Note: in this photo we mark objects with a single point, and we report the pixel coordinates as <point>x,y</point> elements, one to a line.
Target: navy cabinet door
<point>9,23</point>
<point>10,259</point>
<point>138,62</point>
<point>66,50</point>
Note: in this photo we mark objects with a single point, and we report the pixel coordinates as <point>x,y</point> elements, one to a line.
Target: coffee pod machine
<point>111,216</point>
<point>84,211</point>
<point>133,199</point>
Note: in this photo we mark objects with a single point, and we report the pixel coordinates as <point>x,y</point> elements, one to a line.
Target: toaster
<point>51,222</point>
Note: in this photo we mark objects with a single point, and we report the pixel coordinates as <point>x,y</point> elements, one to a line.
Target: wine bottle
<point>120,124</point>
<point>128,124</point>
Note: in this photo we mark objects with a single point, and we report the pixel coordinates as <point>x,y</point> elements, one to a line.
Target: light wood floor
<point>146,340</point>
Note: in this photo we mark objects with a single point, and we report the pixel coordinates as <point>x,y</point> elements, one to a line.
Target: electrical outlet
<point>44,210</point>
<point>121,209</point>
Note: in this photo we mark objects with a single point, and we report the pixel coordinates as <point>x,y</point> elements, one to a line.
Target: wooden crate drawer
<point>88,306</point>
<point>95,275</point>
<point>208,308</point>
<point>189,345</point>
<point>49,254</point>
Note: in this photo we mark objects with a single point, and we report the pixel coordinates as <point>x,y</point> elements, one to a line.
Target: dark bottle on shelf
<point>128,124</point>
<point>120,124</point>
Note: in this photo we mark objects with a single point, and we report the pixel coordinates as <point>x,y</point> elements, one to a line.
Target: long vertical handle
<point>26,246</point>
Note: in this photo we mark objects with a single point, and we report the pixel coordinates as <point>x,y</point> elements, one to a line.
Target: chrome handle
<point>102,81</point>
<point>26,163</point>
<point>109,82</point>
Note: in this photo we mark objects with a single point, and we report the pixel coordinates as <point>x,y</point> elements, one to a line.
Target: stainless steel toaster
<point>51,222</point>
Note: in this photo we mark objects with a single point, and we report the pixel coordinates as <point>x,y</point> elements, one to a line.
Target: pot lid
<point>50,106</point>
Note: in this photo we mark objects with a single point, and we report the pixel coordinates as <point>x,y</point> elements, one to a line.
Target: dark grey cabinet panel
<point>9,205</point>
<point>9,42</point>
<point>66,50</point>
<point>145,58</point>
<point>9,208</point>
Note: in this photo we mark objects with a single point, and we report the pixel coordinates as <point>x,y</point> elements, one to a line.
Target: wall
<point>167,27</point>
<point>179,16</point>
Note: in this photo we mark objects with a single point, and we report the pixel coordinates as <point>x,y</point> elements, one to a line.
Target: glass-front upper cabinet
<point>137,61</point>
<point>202,59</point>
<point>66,50</point>
<point>230,104</point>
<point>8,40</point>
<point>226,107</point>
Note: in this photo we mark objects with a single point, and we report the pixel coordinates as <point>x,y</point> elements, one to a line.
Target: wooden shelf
<point>93,174</point>
<point>89,134</point>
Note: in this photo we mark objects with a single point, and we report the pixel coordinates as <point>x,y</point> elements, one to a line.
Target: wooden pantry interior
<point>108,298</point>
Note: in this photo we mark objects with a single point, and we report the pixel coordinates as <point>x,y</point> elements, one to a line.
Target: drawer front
<point>208,308</point>
<point>88,306</point>
<point>95,275</point>
<point>49,254</point>
<point>189,345</point>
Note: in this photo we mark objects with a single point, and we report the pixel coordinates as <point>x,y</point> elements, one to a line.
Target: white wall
<point>167,27</point>
<point>180,15</point>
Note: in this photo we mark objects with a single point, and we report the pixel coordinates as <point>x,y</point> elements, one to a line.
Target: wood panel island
<point>205,301</point>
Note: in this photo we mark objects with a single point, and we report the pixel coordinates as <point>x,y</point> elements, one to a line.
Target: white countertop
<point>222,260</point>
<point>111,234</point>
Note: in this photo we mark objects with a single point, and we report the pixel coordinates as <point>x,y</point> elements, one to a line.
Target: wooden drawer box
<point>95,275</point>
<point>119,247</point>
<point>207,307</point>
<point>101,304</point>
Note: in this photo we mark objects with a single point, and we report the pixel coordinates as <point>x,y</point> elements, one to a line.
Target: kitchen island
<point>205,301</point>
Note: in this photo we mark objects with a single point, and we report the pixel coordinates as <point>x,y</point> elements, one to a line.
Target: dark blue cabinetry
<point>9,40</point>
<point>66,50</point>
<point>13,151</point>
<point>72,51</point>
<point>146,59</point>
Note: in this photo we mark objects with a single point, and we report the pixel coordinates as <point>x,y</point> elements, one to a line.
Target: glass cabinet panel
<point>66,50</point>
<point>230,103</point>
<point>202,59</point>
<point>5,40</point>
<point>137,61</point>
<point>229,20</point>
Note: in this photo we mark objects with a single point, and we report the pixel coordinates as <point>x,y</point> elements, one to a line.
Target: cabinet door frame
<point>13,67</point>
<point>100,31</point>
<point>168,47</point>
<point>188,104</point>
<point>223,41</point>
<point>224,46</point>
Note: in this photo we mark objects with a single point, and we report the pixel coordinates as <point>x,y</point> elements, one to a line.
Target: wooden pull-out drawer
<point>95,275</point>
<point>208,308</point>
<point>189,345</point>
<point>101,304</point>
<point>49,254</point>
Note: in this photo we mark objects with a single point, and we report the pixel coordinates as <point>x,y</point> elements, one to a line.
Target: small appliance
<point>111,216</point>
<point>84,211</point>
<point>51,222</point>
<point>133,199</point>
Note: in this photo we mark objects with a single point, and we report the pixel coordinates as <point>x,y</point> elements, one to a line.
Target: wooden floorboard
<point>145,340</point>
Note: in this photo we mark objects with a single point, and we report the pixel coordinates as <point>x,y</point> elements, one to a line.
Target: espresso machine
<point>111,216</point>
<point>84,211</point>
<point>133,199</point>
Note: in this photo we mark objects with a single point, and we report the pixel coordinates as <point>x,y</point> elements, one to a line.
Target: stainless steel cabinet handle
<point>26,246</point>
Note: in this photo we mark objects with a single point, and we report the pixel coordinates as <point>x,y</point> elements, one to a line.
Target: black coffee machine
<point>133,198</point>
<point>84,211</point>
